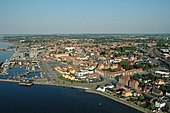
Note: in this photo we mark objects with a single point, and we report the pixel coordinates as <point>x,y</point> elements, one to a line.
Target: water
<point>5,44</point>
<point>52,99</point>
<point>5,54</point>
<point>17,71</point>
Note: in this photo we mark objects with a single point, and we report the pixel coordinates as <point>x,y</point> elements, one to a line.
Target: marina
<point>13,70</point>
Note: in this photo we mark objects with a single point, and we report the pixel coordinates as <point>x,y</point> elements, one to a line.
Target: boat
<point>26,82</point>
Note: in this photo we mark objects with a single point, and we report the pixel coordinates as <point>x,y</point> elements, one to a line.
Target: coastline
<point>88,90</point>
<point>117,100</point>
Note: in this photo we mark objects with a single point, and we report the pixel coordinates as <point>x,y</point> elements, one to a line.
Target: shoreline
<point>117,100</point>
<point>88,90</point>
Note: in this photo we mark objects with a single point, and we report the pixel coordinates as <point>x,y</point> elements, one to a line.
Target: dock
<point>26,82</point>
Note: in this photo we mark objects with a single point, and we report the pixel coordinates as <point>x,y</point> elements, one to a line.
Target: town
<point>130,68</point>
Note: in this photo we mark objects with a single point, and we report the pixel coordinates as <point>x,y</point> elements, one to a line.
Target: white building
<point>101,88</point>
<point>162,72</point>
<point>160,104</point>
<point>83,72</point>
<point>33,52</point>
<point>18,55</point>
<point>70,48</point>
<point>110,86</point>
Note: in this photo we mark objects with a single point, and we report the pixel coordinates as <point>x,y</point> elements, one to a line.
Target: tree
<point>141,97</point>
<point>125,65</point>
<point>151,76</point>
<point>151,106</point>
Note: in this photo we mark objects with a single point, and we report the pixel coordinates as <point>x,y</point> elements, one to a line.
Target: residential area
<point>134,69</point>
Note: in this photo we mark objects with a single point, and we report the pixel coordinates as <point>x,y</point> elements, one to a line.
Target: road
<point>53,76</point>
<point>162,58</point>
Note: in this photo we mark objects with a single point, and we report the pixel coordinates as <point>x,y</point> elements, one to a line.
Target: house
<point>92,76</point>
<point>160,82</point>
<point>127,93</point>
<point>110,86</point>
<point>83,72</point>
<point>160,104</point>
<point>147,89</point>
<point>157,92</point>
<point>33,52</point>
<point>113,74</point>
<point>71,69</point>
<point>137,93</point>
<point>133,71</point>
<point>133,84</point>
<point>167,94</point>
<point>119,86</point>
<point>69,48</point>
<point>101,88</point>
<point>110,91</point>
<point>117,60</point>
<point>142,102</point>
<point>61,55</point>
<point>124,79</point>
<point>162,72</point>
<point>70,77</point>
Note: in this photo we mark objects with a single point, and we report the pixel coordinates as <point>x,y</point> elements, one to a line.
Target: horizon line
<point>77,33</point>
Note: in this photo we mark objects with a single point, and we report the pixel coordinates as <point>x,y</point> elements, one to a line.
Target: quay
<point>26,82</point>
<point>8,80</point>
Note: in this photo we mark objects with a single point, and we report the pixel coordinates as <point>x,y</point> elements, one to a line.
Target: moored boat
<point>26,82</point>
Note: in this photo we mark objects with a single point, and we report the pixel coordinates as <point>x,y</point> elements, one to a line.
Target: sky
<point>84,16</point>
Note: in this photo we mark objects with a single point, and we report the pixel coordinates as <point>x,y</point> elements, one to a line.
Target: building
<point>133,84</point>
<point>83,72</point>
<point>124,80</point>
<point>33,52</point>
<point>160,82</point>
<point>60,55</point>
<point>160,104</point>
<point>19,56</point>
<point>119,86</point>
<point>101,88</point>
<point>157,92</point>
<point>69,48</point>
<point>127,93</point>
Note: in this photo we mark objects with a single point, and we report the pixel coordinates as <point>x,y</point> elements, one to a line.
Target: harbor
<point>18,70</point>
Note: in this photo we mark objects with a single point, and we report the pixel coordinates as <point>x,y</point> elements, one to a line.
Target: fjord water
<point>5,54</point>
<point>52,99</point>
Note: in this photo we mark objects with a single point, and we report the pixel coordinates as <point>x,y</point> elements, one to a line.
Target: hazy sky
<point>84,16</point>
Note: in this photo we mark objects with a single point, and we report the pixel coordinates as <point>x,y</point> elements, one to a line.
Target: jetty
<point>26,82</point>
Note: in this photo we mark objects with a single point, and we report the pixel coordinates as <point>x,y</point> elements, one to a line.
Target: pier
<point>3,49</point>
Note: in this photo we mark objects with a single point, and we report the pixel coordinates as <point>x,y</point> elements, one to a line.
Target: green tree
<point>141,97</point>
<point>151,106</point>
<point>125,65</point>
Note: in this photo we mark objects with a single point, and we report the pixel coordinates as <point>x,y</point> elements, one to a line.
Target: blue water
<point>32,75</point>
<point>51,99</point>
<point>5,54</point>
<point>17,71</point>
<point>5,44</point>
